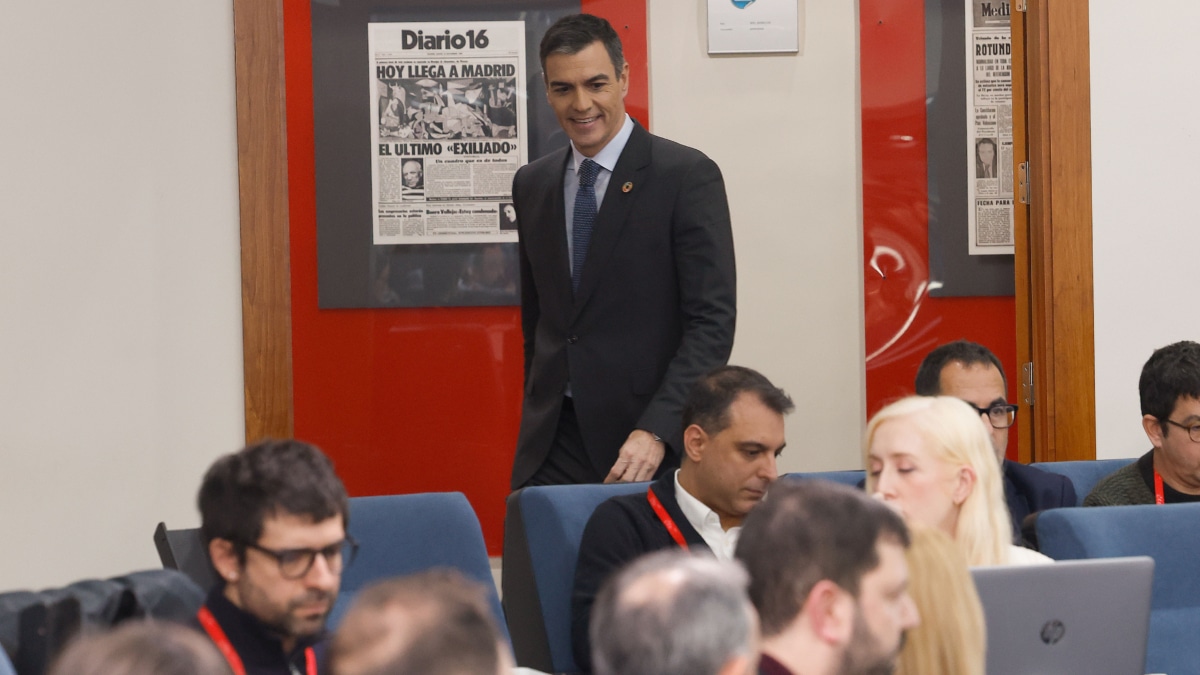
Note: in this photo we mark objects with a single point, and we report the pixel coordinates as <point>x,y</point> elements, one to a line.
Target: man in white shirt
<point>733,433</point>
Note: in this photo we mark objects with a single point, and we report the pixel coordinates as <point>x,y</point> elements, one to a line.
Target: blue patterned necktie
<point>585,218</point>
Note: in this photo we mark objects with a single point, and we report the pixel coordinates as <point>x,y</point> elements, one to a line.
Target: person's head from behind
<point>733,433</point>
<point>274,518</point>
<point>141,648</point>
<point>971,372</point>
<point>673,613</point>
<point>929,458</point>
<point>586,79</point>
<point>1170,395</point>
<point>952,638</point>
<point>432,623</point>
<point>828,577</point>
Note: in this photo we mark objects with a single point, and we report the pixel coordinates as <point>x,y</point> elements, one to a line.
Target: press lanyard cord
<point>1159,497</point>
<point>217,634</point>
<point>667,521</point>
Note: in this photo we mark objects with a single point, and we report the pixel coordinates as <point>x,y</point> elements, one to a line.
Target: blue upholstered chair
<point>404,534</point>
<point>6,666</point>
<point>851,478</point>
<point>542,530</point>
<point>1083,474</point>
<point>1171,535</point>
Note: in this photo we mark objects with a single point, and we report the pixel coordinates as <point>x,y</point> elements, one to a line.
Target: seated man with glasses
<point>971,372</point>
<point>1170,472</point>
<point>273,517</point>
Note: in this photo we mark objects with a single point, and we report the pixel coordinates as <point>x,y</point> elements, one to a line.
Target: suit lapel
<point>553,232</point>
<point>614,212</point>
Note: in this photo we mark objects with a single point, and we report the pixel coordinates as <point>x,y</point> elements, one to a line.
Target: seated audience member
<point>670,613</point>
<point>952,637</point>
<point>273,517</point>
<point>829,580</point>
<point>141,648</point>
<point>928,457</point>
<point>1170,472</point>
<point>971,372</point>
<point>432,623</point>
<point>733,431</point>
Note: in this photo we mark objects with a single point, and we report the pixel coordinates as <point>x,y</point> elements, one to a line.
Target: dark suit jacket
<point>1028,489</point>
<point>655,308</point>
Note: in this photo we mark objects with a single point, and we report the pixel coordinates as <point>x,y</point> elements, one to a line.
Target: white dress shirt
<point>607,159</point>
<point>707,523</point>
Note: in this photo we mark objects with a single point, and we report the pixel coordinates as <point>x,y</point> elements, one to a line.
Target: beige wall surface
<point>120,345</point>
<point>1144,178</point>
<point>785,130</point>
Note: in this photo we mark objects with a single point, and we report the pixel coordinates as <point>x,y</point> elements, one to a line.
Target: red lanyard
<point>219,638</point>
<point>666,519</point>
<point>1159,497</point>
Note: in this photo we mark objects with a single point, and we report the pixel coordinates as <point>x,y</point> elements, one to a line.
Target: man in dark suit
<point>627,276</point>
<point>971,372</point>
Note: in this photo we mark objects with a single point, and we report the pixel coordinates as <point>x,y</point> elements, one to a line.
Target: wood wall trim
<point>262,183</point>
<point>1060,305</point>
<point>1021,269</point>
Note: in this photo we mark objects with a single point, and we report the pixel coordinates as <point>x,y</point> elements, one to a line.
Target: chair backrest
<point>1083,474</point>
<point>405,534</point>
<point>1171,535</point>
<point>6,666</point>
<point>184,550</point>
<point>853,478</point>
<point>542,530</point>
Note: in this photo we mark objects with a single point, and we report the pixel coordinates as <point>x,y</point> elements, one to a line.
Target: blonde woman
<point>931,459</point>
<point>952,637</point>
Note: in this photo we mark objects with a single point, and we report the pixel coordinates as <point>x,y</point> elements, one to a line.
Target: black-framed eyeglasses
<point>1000,415</point>
<point>294,563</point>
<point>1193,430</point>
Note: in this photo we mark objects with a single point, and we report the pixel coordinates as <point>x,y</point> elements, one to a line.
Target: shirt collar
<point>609,154</point>
<point>697,513</point>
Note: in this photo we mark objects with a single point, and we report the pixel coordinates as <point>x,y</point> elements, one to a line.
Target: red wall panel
<point>409,400</point>
<point>902,322</point>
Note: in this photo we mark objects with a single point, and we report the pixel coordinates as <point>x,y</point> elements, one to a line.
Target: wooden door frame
<point>1054,295</point>
<point>263,192</point>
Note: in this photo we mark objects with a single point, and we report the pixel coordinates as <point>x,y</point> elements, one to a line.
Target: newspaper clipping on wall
<point>989,127</point>
<point>448,130</point>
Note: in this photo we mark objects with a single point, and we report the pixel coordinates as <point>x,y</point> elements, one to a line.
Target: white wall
<point>785,131</point>
<point>120,344</point>
<point>1144,178</point>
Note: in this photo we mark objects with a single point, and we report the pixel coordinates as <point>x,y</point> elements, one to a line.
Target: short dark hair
<point>432,623</point>
<point>708,402</point>
<point>1171,373</point>
<point>240,490</point>
<point>929,375</point>
<point>804,532</point>
<point>695,618</point>
<point>572,34</point>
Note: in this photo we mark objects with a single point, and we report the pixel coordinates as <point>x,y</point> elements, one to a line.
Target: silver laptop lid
<point>1074,617</point>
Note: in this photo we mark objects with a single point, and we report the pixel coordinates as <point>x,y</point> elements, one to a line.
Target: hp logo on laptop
<point>1053,631</point>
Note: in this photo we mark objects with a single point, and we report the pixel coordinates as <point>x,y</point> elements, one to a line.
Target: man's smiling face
<point>587,95</point>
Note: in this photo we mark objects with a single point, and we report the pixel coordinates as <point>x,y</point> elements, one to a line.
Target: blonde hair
<point>955,436</point>
<point>952,637</point>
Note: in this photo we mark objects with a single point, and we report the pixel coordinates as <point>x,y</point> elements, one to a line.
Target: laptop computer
<point>1074,617</point>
